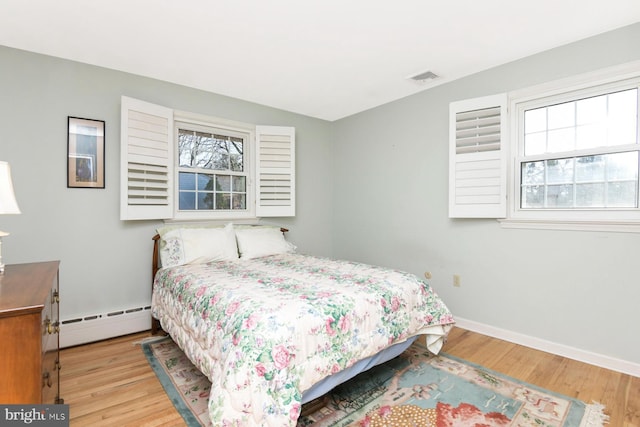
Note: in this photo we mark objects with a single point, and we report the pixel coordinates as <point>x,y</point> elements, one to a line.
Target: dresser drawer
<point>29,317</point>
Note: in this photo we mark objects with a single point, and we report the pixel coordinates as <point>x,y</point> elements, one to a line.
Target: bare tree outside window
<point>205,158</point>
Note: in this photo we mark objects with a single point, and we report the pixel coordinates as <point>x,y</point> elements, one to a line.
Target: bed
<point>272,328</point>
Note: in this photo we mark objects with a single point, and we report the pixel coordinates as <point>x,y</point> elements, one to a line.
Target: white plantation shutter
<point>478,158</point>
<point>275,171</point>
<point>146,183</point>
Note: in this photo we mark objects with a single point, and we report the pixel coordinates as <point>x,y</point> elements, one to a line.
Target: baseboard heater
<point>98,327</point>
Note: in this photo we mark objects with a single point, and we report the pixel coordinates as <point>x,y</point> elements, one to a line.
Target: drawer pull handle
<point>53,328</point>
<point>46,379</point>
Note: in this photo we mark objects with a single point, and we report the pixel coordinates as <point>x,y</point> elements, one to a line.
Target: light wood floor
<point>110,383</point>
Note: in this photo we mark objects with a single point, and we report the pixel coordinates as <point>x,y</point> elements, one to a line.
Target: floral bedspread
<point>265,330</point>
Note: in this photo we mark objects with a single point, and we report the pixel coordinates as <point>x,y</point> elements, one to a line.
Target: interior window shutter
<point>275,171</point>
<point>478,158</point>
<point>146,189</point>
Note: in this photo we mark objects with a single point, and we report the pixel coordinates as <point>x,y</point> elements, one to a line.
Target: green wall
<point>105,262</point>
<point>577,289</point>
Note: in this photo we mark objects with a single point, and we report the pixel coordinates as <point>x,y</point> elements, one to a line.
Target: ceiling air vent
<point>424,77</point>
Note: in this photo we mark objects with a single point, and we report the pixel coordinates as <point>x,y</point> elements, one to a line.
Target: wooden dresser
<point>29,334</point>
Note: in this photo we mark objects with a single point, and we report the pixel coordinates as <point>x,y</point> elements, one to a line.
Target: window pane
<point>236,154</point>
<point>561,115</point>
<point>535,120</point>
<point>194,149</point>
<point>590,136</point>
<point>590,195</point>
<point>607,180</point>
<point>223,201</point>
<point>239,184</point>
<point>533,173</point>
<point>622,131</point>
<point>561,140</point>
<point>535,143</point>
<point>623,166</point>
<point>210,151</point>
<point>187,181</point>
<point>532,196</point>
<point>592,122</point>
<point>221,153</point>
<point>199,187</point>
<point>205,201</point>
<point>591,110</point>
<point>239,201</point>
<point>186,143</point>
<point>623,116</point>
<point>590,168</point>
<point>223,183</point>
<point>559,196</point>
<point>599,121</point>
<point>559,171</point>
<point>187,200</point>
<point>201,150</point>
<point>623,103</point>
<point>205,182</point>
<point>622,194</point>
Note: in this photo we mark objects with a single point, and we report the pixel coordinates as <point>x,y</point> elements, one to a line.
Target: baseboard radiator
<point>98,327</point>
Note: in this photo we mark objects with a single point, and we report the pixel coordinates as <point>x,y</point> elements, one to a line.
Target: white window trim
<point>622,220</point>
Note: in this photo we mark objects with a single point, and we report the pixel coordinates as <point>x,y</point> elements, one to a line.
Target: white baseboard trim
<point>603,361</point>
<point>100,327</point>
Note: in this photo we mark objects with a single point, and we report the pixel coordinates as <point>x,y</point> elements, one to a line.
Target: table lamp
<point>8,204</point>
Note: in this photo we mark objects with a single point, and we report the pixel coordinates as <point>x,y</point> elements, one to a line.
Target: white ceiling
<point>322,58</point>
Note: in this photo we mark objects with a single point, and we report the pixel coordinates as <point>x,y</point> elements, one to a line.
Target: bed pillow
<point>262,241</point>
<point>193,245</point>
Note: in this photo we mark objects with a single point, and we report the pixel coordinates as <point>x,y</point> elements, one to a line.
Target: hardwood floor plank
<point>629,395</point>
<point>110,383</point>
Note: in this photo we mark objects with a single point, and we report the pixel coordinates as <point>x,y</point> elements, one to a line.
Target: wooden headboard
<point>155,262</point>
<point>155,266</point>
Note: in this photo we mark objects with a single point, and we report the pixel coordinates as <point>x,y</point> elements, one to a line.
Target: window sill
<point>220,221</point>
<point>606,226</point>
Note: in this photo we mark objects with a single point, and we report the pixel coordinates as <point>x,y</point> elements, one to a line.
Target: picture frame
<point>85,153</point>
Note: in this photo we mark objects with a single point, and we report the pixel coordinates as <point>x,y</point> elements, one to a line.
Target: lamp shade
<point>8,204</point>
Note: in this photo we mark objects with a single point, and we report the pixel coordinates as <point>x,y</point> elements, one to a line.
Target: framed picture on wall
<point>85,153</point>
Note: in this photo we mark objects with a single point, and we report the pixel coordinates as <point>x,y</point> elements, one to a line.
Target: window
<point>213,172</point>
<point>186,166</point>
<point>563,155</point>
<point>576,154</point>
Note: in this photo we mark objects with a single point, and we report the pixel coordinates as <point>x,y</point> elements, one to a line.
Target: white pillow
<point>192,245</point>
<point>262,241</point>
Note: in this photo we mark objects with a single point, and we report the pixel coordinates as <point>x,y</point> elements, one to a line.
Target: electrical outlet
<point>456,280</point>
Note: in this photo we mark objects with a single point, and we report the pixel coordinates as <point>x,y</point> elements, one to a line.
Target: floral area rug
<point>415,389</point>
